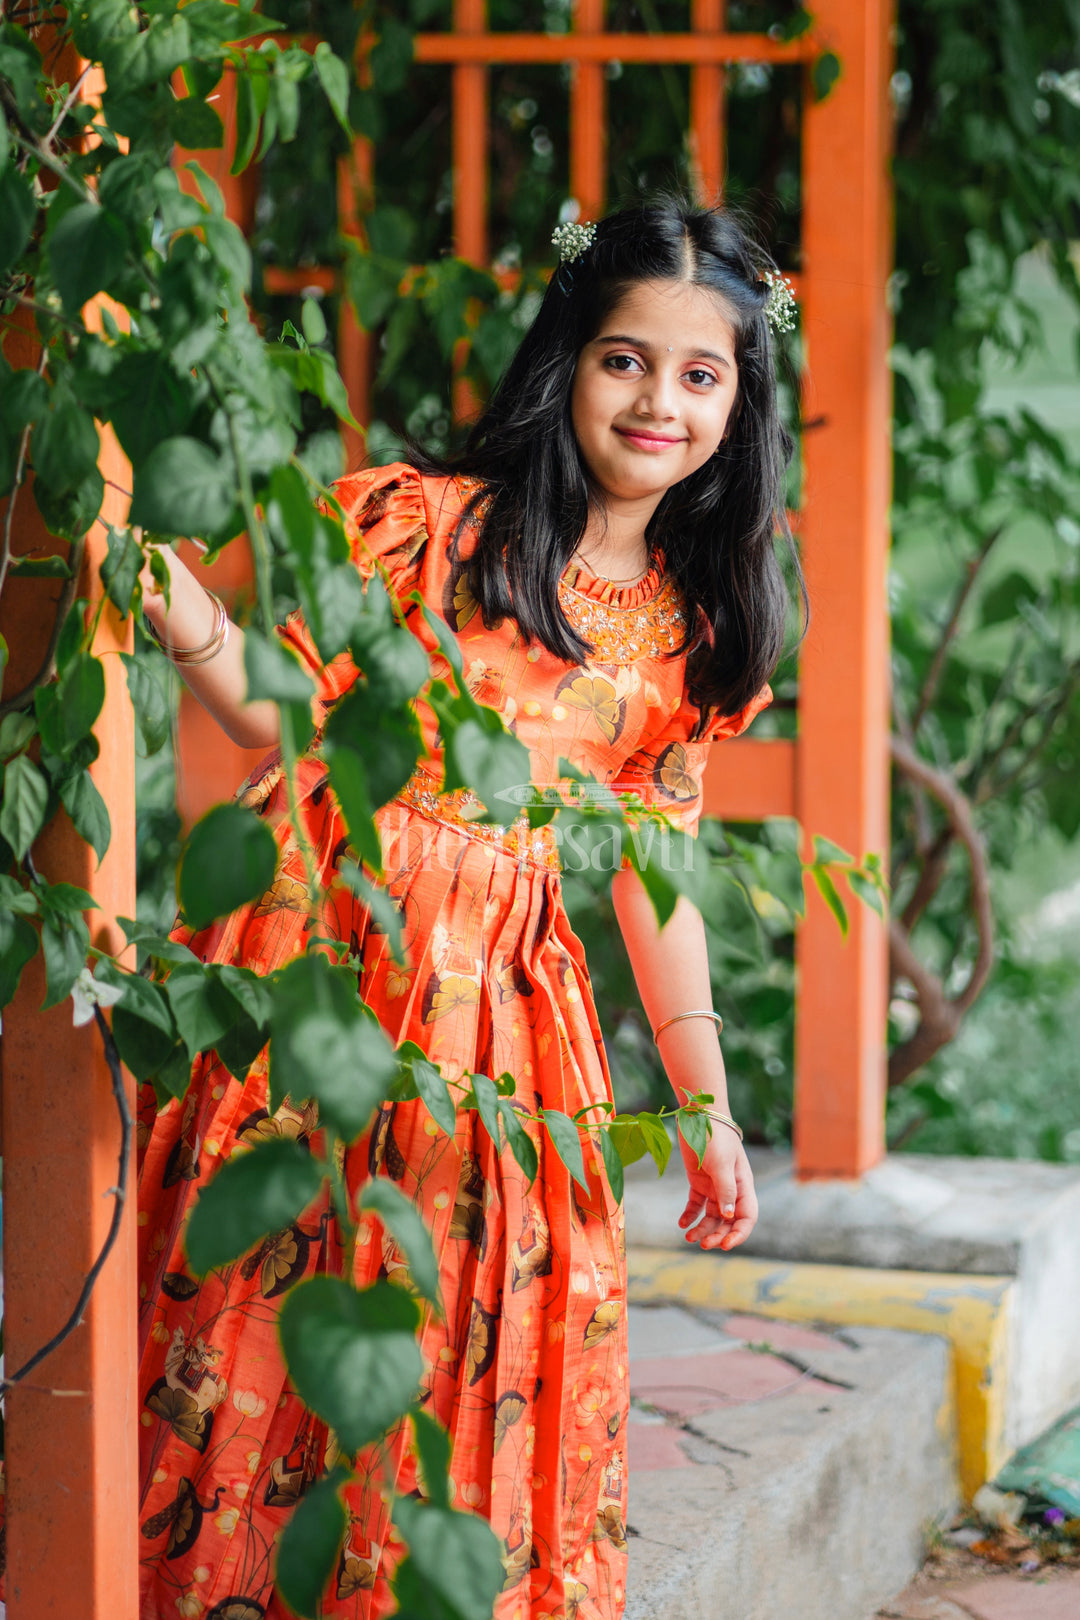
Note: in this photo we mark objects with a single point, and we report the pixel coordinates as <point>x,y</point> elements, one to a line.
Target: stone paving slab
<point>764,1458</point>
<point>1049,1595</point>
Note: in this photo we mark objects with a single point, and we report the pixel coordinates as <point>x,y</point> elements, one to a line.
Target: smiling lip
<point>648,441</point>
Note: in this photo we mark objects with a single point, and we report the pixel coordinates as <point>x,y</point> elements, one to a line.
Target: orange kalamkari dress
<point>528,1368</point>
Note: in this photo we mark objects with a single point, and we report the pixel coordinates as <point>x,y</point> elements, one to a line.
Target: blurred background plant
<point>986,660</point>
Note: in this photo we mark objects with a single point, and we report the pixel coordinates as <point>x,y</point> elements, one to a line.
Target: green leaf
<point>694,1130</point>
<point>120,568</point>
<point>18,944</point>
<point>65,942</point>
<point>202,1006</point>
<point>349,782</point>
<point>14,898</point>
<point>88,811</point>
<point>274,672</point>
<point>371,283</point>
<point>214,22</point>
<point>827,890</point>
<point>431,1086</point>
<point>226,242</point>
<point>566,1139</point>
<point>824,74</point>
<point>65,446</point>
<point>26,798</point>
<point>18,210</point>
<point>310,1545</point>
<point>229,858</point>
<point>325,1045</point>
<point>16,730</point>
<point>830,854</point>
<point>485,1095</point>
<point>406,1226</point>
<point>518,1140</point>
<point>334,78</point>
<point>866,890</point>
<point>490,761</point>
<point>143,1026</point>
<point>195,125</point>
<point>24,399</point>
<point>456,1557</point>
<point>81,697</point>
<point>352,1355</point>
<point>252,88</point>
<point>312,318</point>
<point>394,663</point>
<point>149,402</point>
<point>182,488</point>
<point>254,1193</point>
<point>656,1139</point>
<point>433,1452</point>
<point>627,1137</point>
<point>87,252</point>
<point>388,743</point>
<point>612,1164</point>
<point>147,699</point>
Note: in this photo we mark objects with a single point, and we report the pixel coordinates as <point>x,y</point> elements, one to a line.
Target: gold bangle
<point>704,1014</point>
<point>209,649</point>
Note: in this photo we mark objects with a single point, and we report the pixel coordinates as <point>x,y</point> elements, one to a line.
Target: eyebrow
<point>642,343</point>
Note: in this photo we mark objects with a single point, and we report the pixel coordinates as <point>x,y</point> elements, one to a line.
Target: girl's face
<point>654,389</point>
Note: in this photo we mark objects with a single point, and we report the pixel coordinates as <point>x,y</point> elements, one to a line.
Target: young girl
<point>603,550</point>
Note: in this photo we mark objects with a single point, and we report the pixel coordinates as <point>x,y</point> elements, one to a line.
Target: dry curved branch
<point>940,1015</point>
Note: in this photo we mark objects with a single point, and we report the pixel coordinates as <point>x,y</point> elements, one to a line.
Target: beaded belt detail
<point>537,846</point>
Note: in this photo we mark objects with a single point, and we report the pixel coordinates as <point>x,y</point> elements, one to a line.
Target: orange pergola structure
<point>71,1428</point>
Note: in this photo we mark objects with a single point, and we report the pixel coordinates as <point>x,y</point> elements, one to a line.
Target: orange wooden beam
<point>71,1463</point>
<point>842,759</point>
<point>546,49</point>
<point>748,780</point>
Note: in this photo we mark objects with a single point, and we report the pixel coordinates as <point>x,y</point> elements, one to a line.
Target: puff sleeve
<point>667,772</point>
<point>386,522</point>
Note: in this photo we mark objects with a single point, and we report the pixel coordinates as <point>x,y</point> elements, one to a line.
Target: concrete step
<point>780,1471</point>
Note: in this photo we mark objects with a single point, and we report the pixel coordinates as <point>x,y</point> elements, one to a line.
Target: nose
<point>656,397</point>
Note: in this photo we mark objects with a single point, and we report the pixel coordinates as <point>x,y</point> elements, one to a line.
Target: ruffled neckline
<point>579,577</point>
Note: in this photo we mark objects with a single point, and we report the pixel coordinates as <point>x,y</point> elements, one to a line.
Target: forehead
<point>674,313</point>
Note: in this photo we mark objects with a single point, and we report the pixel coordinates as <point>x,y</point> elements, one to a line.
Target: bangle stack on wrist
<point>209,649</point>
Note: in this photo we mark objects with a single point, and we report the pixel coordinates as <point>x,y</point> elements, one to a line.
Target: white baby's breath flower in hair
<point>780,305</point>
<point>572,240</point>
<point>88,993</point>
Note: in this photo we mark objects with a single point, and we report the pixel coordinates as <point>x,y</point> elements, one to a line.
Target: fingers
<point>695,1205</point>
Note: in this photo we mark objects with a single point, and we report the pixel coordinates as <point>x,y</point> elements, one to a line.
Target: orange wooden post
<point>470,141</point>
<point>71,1457</point>
<point>842,758</point>
<point>588,127</point>
<point>707,108</point>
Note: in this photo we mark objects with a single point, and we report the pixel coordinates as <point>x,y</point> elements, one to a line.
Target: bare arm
<point>671,970</point>
<point>220,684</point>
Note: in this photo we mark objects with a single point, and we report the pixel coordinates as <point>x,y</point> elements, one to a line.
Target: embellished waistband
<point>536,846</point>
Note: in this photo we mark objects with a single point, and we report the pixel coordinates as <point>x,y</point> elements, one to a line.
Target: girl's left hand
<point>721,1210</point>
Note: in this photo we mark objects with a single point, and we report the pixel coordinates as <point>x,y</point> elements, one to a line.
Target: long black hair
<point>717,528</point>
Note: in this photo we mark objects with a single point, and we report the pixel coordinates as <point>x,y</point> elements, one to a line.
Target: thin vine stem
<point>119,1193</point>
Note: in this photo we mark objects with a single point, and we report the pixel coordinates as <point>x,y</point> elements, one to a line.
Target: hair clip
<point>572,241</point>
<point>780,305</point>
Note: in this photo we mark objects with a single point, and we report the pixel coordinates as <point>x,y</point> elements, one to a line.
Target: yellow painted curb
<point>972,1312</point>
